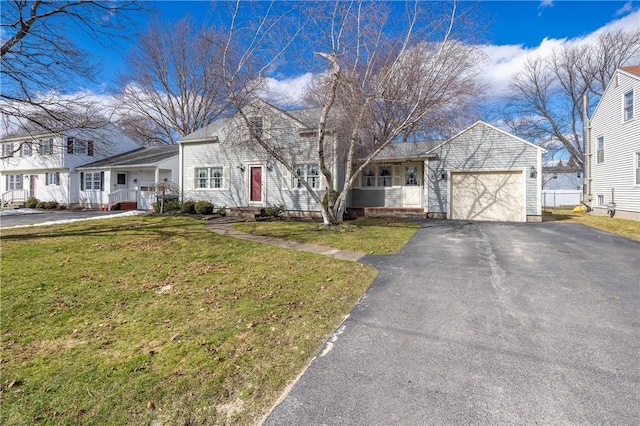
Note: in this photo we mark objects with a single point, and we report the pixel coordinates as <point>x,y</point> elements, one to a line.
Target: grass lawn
<point>380,236</point>
<point>623,227</point>
<point>156,320</point>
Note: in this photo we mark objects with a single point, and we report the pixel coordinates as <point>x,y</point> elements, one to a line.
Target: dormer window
<point>256,126</point>
<point>80,147</point>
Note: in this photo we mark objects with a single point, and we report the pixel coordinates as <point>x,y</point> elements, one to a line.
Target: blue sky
<point>515,30</point>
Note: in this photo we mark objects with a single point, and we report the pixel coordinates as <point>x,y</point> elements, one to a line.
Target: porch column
<point>157,177</point>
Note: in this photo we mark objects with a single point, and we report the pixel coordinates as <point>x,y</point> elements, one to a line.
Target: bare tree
<point>547,95</point>
<point>163,190</point>
<point>379,87</point>
<point>174,84</point>
<point>41,60</point>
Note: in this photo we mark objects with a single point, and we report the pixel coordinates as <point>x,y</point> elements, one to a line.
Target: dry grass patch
<point>157,320</point>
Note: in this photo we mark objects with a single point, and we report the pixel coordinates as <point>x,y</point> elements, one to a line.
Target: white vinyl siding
<point>616,178</point>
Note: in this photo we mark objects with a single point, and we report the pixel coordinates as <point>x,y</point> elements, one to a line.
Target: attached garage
<point>493,196</point>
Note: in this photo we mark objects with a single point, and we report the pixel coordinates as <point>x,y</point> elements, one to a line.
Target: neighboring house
<point>483,173</point>
<point>220,164</point>
<point>127,181</point>
<point>561,186</point>
<point>615,146</point>
<point>43,164</point>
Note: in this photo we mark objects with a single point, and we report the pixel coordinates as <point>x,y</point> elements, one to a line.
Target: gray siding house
<point>221,164</point>
<point>615,146</point>
<point>483,173</point>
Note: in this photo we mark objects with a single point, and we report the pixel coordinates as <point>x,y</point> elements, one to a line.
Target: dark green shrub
<point>41,205</point>
<point>325,199</point>
<point>189,207</point>
<point>32,203</point>
<point>203,207</point>
<point>172,207</point>
<point>50,205</point>
<point>222,211</point>
<point>274,211</point>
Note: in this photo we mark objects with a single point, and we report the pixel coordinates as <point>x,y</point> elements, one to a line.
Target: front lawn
<point>156,320</point>
<point>379,236</point>
<point>623,227</point>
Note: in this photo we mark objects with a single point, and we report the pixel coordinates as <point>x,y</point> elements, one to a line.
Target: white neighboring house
<point>128,179</point>
<point>615,146</point>
<point>43,165</point>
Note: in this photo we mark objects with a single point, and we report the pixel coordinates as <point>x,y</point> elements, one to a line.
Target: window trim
<point>637,167</point>
<point>26,149</point>
<point>13,182</point>
<point>52,179</point>
<point>376,176</point>
<point>7,150</point>
<point>600,152</point>
<point>627,108</point>
<point>210,179</point>
<point>99,180</point>
<point>46,146</point>
<point>316,179</point>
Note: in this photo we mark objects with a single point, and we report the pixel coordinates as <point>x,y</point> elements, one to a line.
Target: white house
<point>43,164</point>
<point>128,179</point>
<point>615,147</point>
<point>481,174</point>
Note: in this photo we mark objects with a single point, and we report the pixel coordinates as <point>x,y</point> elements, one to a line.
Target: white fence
<point>561,197</point>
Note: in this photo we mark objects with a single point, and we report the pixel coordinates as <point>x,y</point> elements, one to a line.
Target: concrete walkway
<point>223,226</point>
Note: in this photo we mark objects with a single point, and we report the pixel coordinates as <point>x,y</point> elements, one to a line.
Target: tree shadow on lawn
<point>162,229</point>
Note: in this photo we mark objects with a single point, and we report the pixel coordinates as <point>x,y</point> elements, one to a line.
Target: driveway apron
<point>485,323</point>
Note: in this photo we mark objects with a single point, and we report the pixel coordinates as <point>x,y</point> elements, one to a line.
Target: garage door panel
<point>494,196</point>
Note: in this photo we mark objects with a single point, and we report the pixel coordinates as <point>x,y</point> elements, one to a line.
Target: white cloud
<point>627,7</point>
<point>289,91</point>
<point>546,3</point>
<point>505,61</point>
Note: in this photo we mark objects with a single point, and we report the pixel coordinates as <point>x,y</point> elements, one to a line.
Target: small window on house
<point>369,176</point>
<point>46,146</point>
<point>7,150</point>
<point>209,177</point>
<point>385,176</point>
<point>92,181</point>
<point>578,175</point>
<point>637,168</point>
<point>377,176</point>
<point>121,179</point>
<point>52,178</point>
<point>14,182</point>
<point>601,200</point>
<point>256,126</point>
<point>600,152</point>
<point>308,172</point>
<point>628,106</point>
<point>26,149</point>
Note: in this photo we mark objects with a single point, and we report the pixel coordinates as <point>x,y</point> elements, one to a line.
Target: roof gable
<point>632,72</point>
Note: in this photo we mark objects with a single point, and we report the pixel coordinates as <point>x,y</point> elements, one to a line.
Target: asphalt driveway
<point>485,323</point>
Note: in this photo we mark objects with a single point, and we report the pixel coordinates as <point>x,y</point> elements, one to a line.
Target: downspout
<point>586,140</point>
<point>181,171</point>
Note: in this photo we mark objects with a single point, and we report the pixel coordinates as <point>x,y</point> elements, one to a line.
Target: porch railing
<point>14,195</point>
<point>122,195</point>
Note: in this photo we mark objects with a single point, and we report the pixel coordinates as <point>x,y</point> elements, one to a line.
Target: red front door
<point>32,186</point>
<point>256,184</point>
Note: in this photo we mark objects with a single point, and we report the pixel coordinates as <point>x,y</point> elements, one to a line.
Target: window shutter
<point>397,175</point>
<point>225,177</point>
<point>57,178</point>
<point>46,179</point>
<point>69,145</point>
<point>286,178</point>
<point>81,181</point>
<point>90,148</point>
<point>101,181</point>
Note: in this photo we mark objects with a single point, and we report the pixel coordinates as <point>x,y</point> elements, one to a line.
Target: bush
<point>222,211</point>
<point>325,199</point>
<point>172,207</point>
<point>188,207</point>
<point>41,205</point>
<point>50,205</point>
<point>274,211</point>
<point>203,207</point>
<point>32,203</point>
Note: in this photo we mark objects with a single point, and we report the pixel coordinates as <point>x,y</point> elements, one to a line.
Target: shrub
<point>222,211</point>
<point>156,207</point>
<point>203,207</point>
<point>325,199</point>
<point>41,205</point>
<point>274,211</point>
<point>50,205</point>
<point>172,207</point>
<point>32,203</point>
<point>188,207</point>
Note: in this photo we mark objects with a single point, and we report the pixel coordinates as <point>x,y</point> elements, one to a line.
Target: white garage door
<point>497,196</point>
